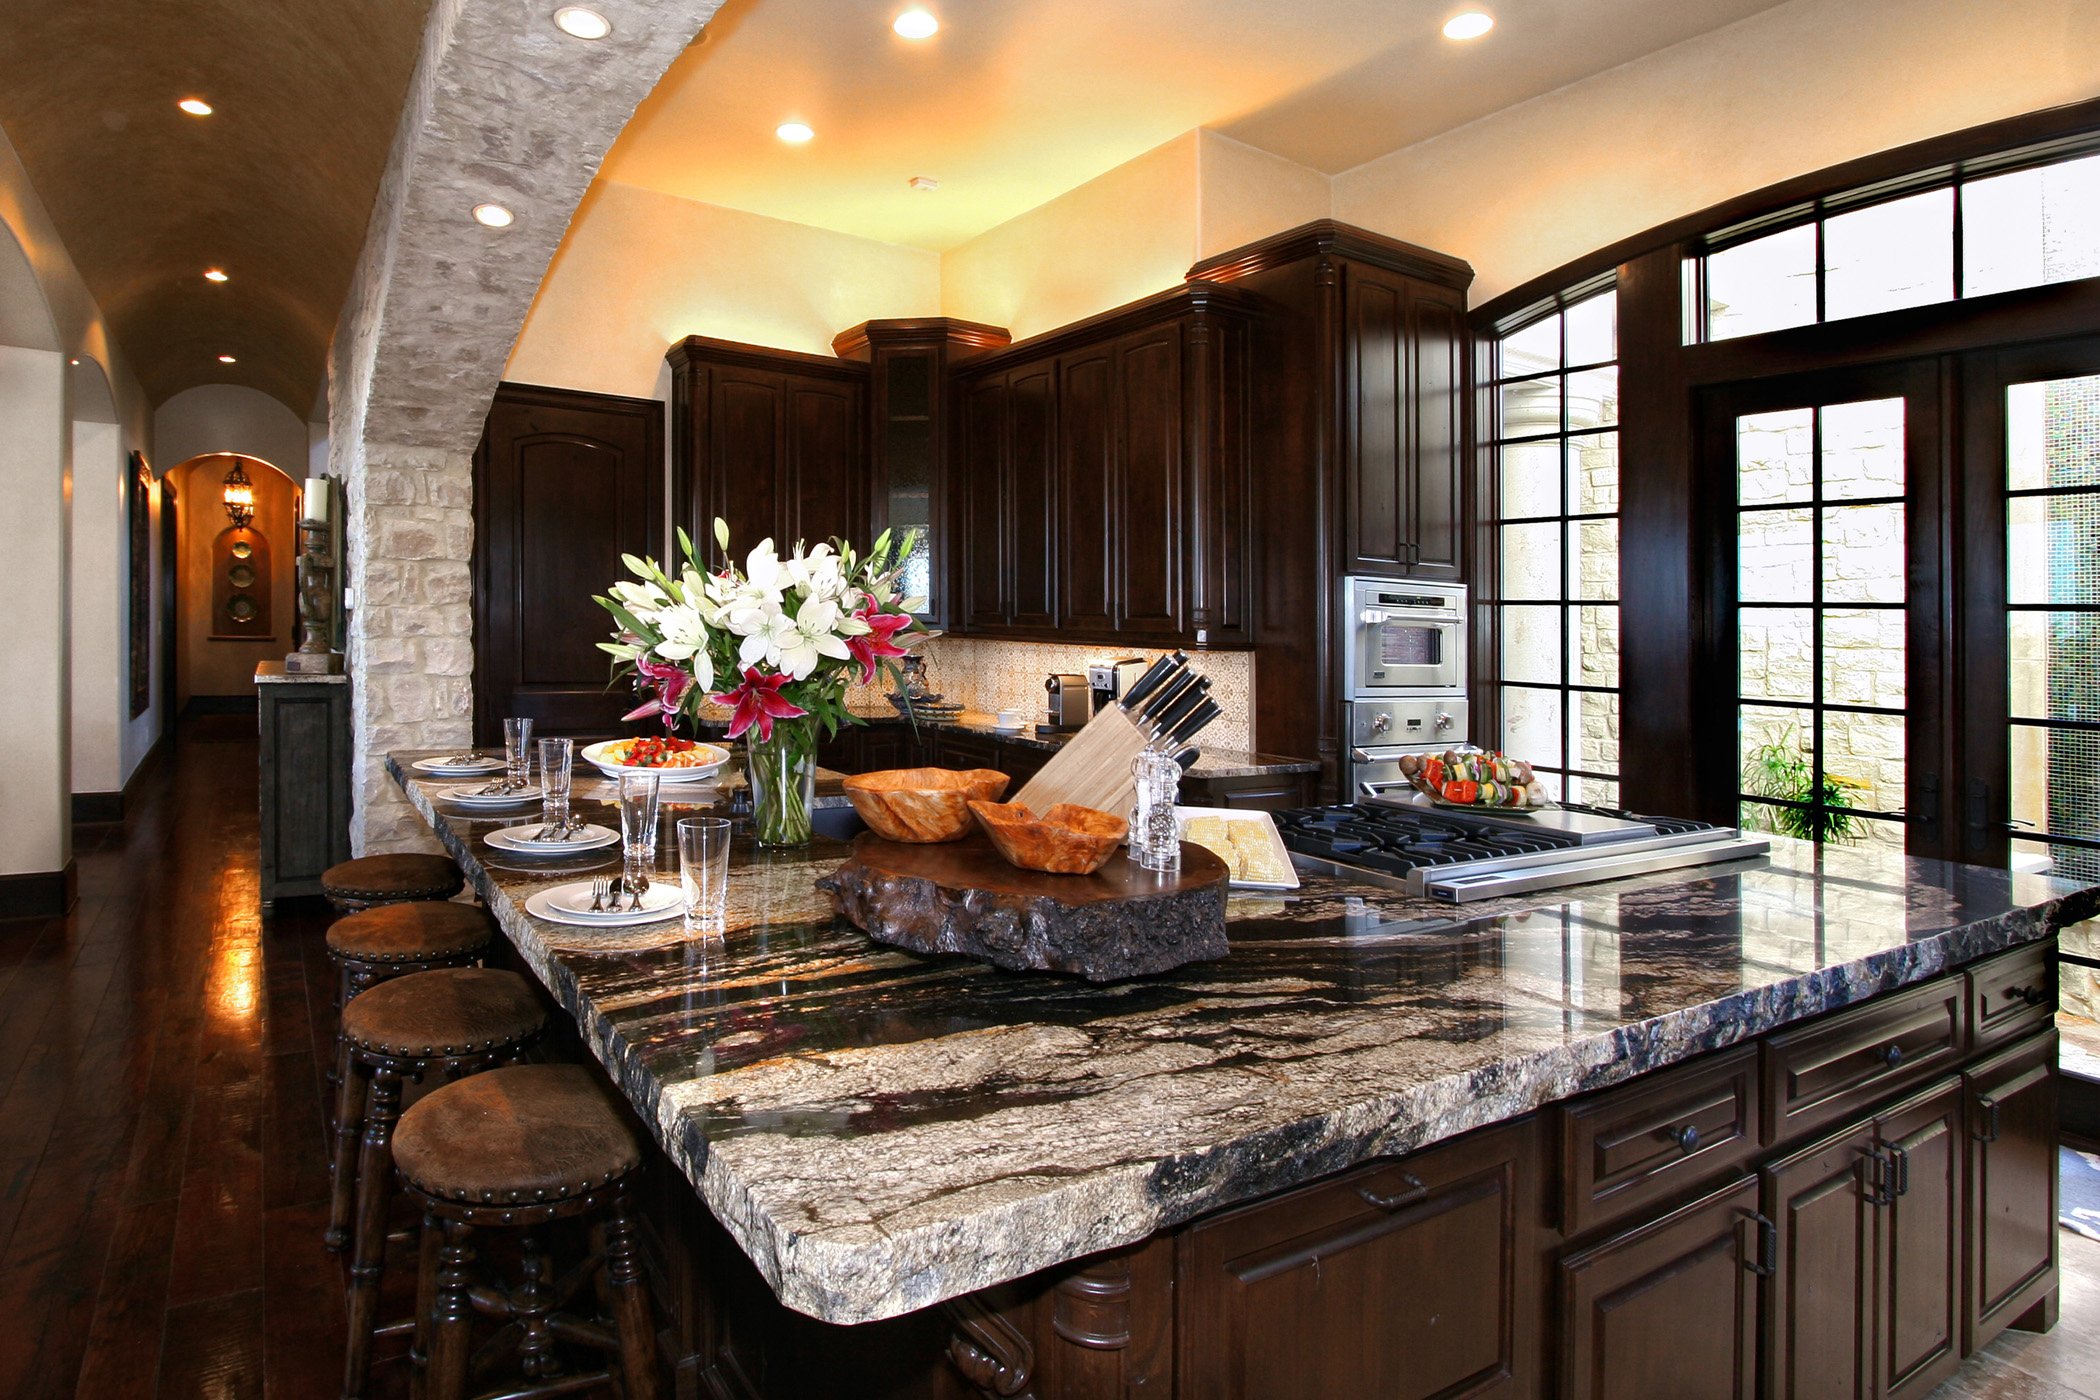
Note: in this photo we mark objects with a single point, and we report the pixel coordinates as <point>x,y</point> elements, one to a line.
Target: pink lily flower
<point>758,702</point>
<point>670,682</point>
<point>877,640</point>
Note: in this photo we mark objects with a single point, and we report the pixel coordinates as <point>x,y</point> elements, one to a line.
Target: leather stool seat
<point>519,1135</point>
<point>448,1013</point>
<point>423,931</point>
<point>391,878</point>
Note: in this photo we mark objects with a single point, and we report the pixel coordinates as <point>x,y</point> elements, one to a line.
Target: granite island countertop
<point>881,1131</point>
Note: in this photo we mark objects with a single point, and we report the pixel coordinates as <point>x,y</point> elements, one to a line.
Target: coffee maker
<point>1110,679</point>
<point>1068,700</point>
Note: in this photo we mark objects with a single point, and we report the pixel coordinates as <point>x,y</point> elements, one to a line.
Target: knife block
<point>1092,769</point>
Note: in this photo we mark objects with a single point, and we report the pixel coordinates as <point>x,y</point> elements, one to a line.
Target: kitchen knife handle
<point>1192,723</point>
<point>1168,696</point>
<point>1154,676</point>
<point>1185,702</point>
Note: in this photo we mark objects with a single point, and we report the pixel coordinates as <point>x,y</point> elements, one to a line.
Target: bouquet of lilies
<point>778,640</point>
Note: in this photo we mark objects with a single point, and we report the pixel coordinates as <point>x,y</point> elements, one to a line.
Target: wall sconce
<point>239,495</point>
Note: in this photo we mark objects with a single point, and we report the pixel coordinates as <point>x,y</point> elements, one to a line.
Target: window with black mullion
<point>2064,731</point>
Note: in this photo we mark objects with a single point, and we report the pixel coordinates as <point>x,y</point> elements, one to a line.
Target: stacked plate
<point>571,904</point>
<point>479,795</point>
<point>459,766</point>
<point>524,840</point>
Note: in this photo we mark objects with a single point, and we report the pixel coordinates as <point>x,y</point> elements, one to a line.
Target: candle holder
<point>316,586</point>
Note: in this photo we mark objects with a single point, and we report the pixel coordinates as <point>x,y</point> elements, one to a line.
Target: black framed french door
<point>2030,608</point>
<point>1825,710</point>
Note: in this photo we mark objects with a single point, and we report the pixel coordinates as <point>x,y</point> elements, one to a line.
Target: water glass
<point>517,751</point>
<point>638,829</point>
<point>703,871</point>
<point>557,760</point>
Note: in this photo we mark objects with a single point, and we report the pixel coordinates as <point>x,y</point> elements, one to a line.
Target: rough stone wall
<point>503,108</point>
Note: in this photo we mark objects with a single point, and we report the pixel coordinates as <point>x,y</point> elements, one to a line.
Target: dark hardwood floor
<point>163,1183</point>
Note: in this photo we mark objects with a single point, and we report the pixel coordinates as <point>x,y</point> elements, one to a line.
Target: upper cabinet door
<point>1032,474</point>
<point>987,600</point>
<point>824,487</point>
<point>1086,450</point>
<point>1149,546</point>
<point>1403,427</point>
<point>565,483</point>
<point>740,473</point>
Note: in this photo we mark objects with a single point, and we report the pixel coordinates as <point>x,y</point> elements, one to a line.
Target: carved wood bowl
<point>922,805</point>
<point>1066,840</point>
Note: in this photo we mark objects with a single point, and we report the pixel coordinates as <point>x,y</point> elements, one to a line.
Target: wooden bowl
<point>922,805</point>
<point>1066,840</point>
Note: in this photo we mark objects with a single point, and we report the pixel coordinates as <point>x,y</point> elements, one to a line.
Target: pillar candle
<point>317,499</point>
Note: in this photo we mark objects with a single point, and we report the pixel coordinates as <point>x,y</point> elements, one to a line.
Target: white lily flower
<point>643,599</point>
<point>684,632</point>
<point>763,575</point>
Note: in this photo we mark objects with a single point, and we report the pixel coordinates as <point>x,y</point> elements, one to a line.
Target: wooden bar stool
<point>368,881</point>
<point>520,1147</point>
<point>390,941</point>
<point>457,1021</point>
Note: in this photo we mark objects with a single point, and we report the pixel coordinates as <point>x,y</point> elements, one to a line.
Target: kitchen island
<point>1455,1142</point>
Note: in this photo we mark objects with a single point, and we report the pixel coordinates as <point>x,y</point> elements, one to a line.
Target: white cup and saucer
<point>1009,721</point>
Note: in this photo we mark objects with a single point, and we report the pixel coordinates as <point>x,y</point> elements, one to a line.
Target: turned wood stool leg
<point>452,1315</point>
<point>429,1240</point>
<point>637,1329</point>
<point>350,1097</point>
<point>375,1189</point>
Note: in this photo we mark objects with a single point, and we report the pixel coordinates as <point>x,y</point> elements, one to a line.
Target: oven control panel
<point>1434,722</point>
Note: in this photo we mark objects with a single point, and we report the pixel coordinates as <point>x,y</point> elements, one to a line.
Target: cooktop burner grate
<point>1394,840</point>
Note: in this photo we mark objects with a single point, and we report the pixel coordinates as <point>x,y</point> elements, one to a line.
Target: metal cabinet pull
<point>1874,1190</point>
<point>1686,1137</point>
<point>1764,1260</point>
<point>1899,1158</point>
<point>1987,1130</point>
<point>1892,1054</point>
<point>1415,1191</point>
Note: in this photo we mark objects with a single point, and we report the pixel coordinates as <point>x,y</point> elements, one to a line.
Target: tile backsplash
<point>991,676</point>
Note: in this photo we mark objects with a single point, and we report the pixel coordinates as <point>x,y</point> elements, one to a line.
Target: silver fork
<point>601,886</point>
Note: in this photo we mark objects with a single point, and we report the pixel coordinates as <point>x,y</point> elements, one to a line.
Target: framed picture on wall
<point>139,505</point>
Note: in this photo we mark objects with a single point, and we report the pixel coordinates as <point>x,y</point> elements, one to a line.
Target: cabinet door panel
<point>1668,1311</point>
<point>987,597</point>
<point>2012,1185</point>
<point>1921,1242</point>
<point>1436,344</point>
<point>823,495</point>
<point>1411,1279</point>
<point>1032,471</point>
<point>1820,1342</point>
<point>1375,424</point>
<point>1149,547</point>
<point>1088,527</point>
<point>745,458</point>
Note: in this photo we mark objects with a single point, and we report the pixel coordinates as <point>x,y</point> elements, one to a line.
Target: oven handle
<point>1374,617</point>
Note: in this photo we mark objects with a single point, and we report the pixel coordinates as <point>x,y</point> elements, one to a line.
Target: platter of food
<point>1476,780</point>
<point>1246,841</point>
<point>673,759</point>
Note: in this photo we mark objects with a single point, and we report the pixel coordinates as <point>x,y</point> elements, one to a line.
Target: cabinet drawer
<point>2011,995</point>
<point>1841,1064</point>
<point>1657,1138</point>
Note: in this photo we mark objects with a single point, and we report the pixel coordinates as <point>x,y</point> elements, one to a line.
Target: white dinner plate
<point>471,795</point>
<point>571,904</point>
<point>518,839</point>
<point>716,756</point>
<point>440,768</point>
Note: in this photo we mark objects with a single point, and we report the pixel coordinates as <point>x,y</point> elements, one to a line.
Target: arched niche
<point>218,650</point>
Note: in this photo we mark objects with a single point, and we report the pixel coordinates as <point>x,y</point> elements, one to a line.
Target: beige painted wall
<point>639,270</point>
<point>1245,194</point>
<point>1784,93</point>
<point>208,667</point>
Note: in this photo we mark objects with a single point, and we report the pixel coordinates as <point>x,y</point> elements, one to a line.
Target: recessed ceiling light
<point>493,215</point>
<point>1470,25</point>
<point>225,359</point>
<point>580,23</point>
<point>916,23</point>
<point>794,133</point>
<point>923,182</point>
<point>195,106</point>
<point>213,274</point>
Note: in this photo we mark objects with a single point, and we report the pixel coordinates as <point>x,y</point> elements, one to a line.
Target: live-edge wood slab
<point>963,897</point>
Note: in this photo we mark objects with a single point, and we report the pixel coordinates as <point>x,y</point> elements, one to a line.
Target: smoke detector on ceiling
<point>923,182</point>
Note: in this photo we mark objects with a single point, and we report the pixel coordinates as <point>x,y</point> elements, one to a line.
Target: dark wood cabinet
<point>1403,346</point>
<point>1264,792</point>
<point>2012,1187</point>
<point>773,442</point>
<point>1921,1257</point>
<point>1821,1201</point>
<point>1668,1310</point>
<point>303,774</point>
<point>1105,471</point>
<point>1637,1146</point>
<point>564,484</point>
<point>1398,1280</point>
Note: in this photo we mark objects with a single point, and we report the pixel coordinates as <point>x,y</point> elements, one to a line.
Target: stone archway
<point>507,109</point>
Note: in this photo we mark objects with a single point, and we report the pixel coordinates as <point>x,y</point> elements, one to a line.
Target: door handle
<point>1416,1190</point>
<point>1927,800</point>
<point>1978,798</point>
<point>1763,1260</point>
<point>1899,1159</point>
<point>1875,1191</point>
<point>1987,1130</point>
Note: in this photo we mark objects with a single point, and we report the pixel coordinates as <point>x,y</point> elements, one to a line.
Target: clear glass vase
<point>783,774</point>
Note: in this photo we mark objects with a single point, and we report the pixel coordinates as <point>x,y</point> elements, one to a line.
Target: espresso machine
<point>1068,709</point>
<point>1109,680</point>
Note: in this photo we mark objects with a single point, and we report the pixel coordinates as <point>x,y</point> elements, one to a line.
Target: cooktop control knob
<point>1443,720</point>
<point>1381,723</point>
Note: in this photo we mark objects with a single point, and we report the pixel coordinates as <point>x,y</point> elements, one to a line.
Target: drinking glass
<point>703,871</point>
<point>517,759</point>
<point>637,830</point>
<point>557,761</point>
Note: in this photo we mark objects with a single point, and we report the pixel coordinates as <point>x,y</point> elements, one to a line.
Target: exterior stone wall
<point>503,108</point>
